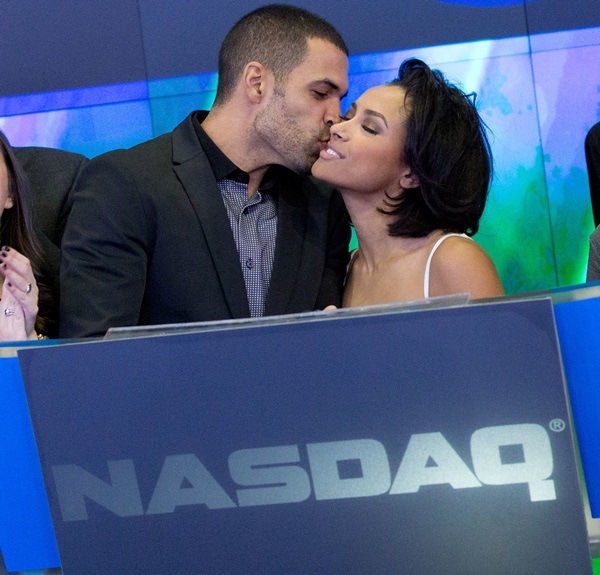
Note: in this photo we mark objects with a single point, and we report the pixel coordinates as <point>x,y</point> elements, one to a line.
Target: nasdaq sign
<point>275,476</point>
<point>358,443</point>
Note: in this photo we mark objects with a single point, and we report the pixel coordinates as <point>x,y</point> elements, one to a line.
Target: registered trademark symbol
<point>557,425</point>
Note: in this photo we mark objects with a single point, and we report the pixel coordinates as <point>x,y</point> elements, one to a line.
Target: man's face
<point>294,124</point>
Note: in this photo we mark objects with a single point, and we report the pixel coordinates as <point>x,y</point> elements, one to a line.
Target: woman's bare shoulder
<point>462,265</point>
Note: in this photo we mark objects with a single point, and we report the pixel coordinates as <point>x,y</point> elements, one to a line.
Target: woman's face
<point>366,149</point>
<point>5,199</point>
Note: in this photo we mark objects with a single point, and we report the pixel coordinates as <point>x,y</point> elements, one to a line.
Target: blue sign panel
<point>426,442</point>
<point>577,323</point>
<point>26,537</point>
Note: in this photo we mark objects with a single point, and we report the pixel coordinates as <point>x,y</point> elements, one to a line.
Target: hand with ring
<point>19,302</point>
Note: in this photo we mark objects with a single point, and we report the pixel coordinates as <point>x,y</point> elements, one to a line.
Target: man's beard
<point>278,128</point>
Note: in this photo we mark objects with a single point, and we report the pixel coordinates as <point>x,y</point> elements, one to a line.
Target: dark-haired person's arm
<point>19,297</point>
<point>51,174</point>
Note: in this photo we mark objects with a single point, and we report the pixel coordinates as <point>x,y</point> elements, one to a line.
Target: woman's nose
<point>337,131</point>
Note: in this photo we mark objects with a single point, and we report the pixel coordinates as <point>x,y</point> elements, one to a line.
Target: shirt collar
<point>223,168</point>
<point>221,165</point>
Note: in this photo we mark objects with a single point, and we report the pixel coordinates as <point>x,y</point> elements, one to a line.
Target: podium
<point>389,440</point>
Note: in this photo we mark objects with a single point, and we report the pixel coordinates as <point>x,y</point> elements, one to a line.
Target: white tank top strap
<point>428,265</point>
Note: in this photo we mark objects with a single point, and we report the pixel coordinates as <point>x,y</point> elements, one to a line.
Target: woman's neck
<point>376,245</point>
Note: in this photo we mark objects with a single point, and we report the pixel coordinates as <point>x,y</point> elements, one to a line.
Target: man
<point>217,219</point>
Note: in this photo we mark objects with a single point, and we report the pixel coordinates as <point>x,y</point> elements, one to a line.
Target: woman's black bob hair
<point>447,150</point>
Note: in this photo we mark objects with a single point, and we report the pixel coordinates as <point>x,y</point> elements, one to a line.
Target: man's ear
<point>256,80</point>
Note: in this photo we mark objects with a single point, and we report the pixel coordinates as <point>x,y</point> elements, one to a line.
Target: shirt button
<point>249,263</point>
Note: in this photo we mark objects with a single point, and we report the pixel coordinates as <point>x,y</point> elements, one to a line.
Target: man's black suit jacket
<point>148,242</point>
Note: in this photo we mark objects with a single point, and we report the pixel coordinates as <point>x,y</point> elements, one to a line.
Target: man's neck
<point>230,131</point>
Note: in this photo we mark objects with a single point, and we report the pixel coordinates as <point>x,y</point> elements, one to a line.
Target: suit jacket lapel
<point>289,248</point>
<point>197,178</point>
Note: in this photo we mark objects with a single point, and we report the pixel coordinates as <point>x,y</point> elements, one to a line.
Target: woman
<point>23,273</point>
<point>413,164</point>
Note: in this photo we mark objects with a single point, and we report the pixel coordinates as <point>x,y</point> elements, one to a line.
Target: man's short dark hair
<point>447,150</point>
<point>276,36</point>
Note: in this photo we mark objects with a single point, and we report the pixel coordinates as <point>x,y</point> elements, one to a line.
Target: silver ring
<point>8,312</point>
<point>28,288</point>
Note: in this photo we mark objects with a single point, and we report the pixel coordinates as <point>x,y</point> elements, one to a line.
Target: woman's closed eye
<point>367,126</point>
<point>369,129</point>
